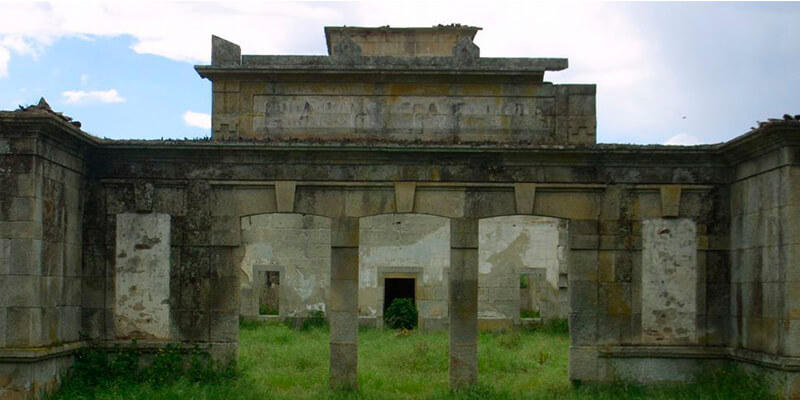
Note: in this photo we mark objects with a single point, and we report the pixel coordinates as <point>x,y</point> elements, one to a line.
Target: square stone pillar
<point>463,304</point>
<point>343,306</point>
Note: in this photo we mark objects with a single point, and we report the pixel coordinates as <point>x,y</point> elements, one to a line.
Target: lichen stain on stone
<point>505,260</point>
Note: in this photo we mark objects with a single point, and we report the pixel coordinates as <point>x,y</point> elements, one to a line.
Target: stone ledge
<point>35,354</point>
<point>695,352</point>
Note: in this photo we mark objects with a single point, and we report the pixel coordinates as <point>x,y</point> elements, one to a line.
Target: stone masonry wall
<point>203,293</point>
<point>41,193</point>
<point>405,111</point>
<point>765,264</point>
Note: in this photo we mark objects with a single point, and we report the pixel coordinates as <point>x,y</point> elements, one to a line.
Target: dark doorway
<point>398,288</point>
<point>269,293</point>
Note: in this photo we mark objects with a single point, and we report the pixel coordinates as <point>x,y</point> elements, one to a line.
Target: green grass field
<point>277,362</point>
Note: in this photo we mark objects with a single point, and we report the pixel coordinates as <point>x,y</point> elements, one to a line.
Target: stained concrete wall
<point>141,281</point>
<point>669,281</point>
<point>297,245</point>
<point>511,246</point>
<point>404,245</point>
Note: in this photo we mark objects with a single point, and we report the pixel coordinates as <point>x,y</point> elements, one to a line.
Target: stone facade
<point>458,171</point>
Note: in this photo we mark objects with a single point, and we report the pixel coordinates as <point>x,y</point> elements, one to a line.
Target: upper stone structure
<point>437,41</point>
<point>400,85</point>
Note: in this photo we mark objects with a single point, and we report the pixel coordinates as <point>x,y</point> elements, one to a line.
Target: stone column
<point>343,306</point>
<point>463,304</point>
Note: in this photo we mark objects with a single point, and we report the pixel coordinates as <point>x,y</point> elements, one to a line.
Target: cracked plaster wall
<point>297,245</point>
<point>416,244</point>
<point>510,246</point>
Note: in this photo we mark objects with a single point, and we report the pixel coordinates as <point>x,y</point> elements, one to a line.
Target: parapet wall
<point>378,96</point>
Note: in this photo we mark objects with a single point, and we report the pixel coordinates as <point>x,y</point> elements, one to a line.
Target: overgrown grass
<point>277,362</point>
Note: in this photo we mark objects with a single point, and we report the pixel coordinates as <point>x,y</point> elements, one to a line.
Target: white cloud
<point>99,96</point>
<point>197,120</point>
<point>683,139</point>
<point>5,57</point>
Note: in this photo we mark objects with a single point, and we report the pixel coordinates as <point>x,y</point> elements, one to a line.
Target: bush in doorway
<point>401,314</point>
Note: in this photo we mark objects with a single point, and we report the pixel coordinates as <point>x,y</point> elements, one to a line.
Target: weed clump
<point>135,365</point>
<point>316,319</point>
<point>401,314</point>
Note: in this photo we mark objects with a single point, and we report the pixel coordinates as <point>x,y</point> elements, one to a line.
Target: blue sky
<point>679,73</point>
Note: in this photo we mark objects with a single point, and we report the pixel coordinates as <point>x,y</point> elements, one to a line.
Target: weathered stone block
<point>223,295</point>
<point>92,322</point>
<point>343,326</point>
<point>404,196</point>
<point>24,256</point>
<point>69,324</point>
<point>52,291</point>
<point>583,363</point>
<point>446,202</point>
<point>344,294</point>
<point>119,199</point>
<point>20,230</point>
<point>171,200</point>
<point>224,326</point>
<point>344,365</point>
<point>463,365</point>
<point>369,201</point>
<point>193,325</point>
<point>20,290</point>
<point>584,265</point>
<point>582,329</point>
<point>223,202</point>
<point>255,200</point>
<point>143,196</point>
<point>24,326</point>
<point>615,298</point>
<point>3,324</point>
<point>670,200</point>
<point>284,195</point>
<point>583,297</point>
<point>483,204</point>
<point>21,209</point>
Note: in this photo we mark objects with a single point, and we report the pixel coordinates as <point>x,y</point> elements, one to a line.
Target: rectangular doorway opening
<point>528,296</point>
<point>269,299</point>
<point>398,288</point>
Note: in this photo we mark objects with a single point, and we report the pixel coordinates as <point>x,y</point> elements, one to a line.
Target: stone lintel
<point>404,196</point>
<point>525,194</point>
<point>670,200</point>
<point>284,195</point>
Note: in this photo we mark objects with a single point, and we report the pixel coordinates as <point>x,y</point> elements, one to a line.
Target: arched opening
<point>522,270</point>
<point>404,255</point>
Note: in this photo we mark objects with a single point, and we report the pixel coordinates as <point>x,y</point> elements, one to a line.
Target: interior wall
<point>297,245</point>
<point>510,246</point>
<point>415,245</point>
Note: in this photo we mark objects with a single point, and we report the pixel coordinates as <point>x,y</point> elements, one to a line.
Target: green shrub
<point>264,309</point>
<point>316,319</point>
<point>401,314</point>
<point>529,314</point>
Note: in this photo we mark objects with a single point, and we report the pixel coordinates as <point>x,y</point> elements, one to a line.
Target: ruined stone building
<point>400,164</point>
